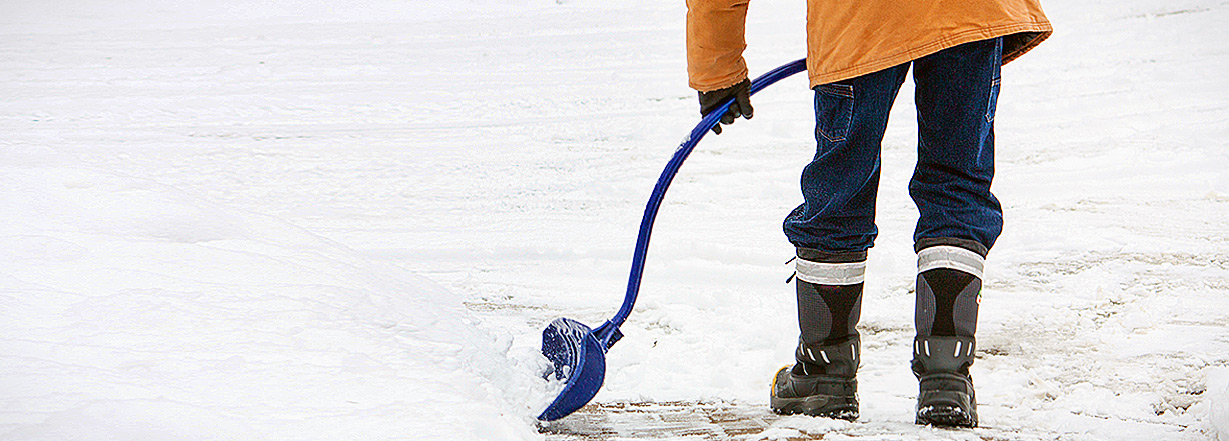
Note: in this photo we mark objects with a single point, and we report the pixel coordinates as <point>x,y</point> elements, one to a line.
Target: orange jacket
<point>849,38</point>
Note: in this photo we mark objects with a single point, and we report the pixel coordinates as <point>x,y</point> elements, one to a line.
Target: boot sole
<point>946,416</point>
<point>948,408</point>
<point>826,406</point>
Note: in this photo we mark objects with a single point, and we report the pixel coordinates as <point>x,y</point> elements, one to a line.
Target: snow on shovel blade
<point>579,357</point>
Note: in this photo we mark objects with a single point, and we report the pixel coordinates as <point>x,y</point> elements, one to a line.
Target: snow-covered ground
<point>315,220</point>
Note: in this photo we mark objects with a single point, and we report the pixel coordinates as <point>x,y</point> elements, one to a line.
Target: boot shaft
<point>829,294</point>
<point>948,290</point>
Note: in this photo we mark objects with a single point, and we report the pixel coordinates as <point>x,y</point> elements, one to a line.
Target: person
<point>857,56</point>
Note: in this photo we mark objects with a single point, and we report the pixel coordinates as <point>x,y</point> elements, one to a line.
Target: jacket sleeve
<point>715,43</point>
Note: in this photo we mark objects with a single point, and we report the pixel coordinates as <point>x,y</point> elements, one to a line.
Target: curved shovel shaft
<point>579,353</point>
<point>667,175</point>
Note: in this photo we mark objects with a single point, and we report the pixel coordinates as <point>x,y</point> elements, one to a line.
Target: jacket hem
<point>941,43</point>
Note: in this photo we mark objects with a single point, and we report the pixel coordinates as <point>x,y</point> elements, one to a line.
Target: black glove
<point>741,92</point>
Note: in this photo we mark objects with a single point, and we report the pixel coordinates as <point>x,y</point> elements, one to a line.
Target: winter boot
<point>945,389</point>
<point>948,294</point>
<point>821,383</point>
<point>822,380</point>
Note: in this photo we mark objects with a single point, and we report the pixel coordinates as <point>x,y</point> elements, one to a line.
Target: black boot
<point>822,383</point>
<point>948,293</point>
<point>945,389</point>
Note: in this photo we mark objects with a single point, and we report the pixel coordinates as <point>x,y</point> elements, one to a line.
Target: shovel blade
<point>579,358</point>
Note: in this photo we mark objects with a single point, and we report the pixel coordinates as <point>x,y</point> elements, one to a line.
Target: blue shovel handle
<point>578,353</point>
<point>609,333</point>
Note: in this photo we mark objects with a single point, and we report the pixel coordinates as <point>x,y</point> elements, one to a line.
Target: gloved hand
<point>741,92</point>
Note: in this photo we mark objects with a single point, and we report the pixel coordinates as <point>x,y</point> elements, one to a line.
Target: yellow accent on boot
<point>778,374</point>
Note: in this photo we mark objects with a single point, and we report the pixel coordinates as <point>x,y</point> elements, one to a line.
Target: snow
<point>302,219</point>
<point>133,310</point>
<point>1218,399</point>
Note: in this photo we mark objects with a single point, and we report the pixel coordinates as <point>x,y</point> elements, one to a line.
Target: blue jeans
<point>957,89</point>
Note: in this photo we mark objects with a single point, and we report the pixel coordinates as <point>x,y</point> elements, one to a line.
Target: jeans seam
<point>991,101</point>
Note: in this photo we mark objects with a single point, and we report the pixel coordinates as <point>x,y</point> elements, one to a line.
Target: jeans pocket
<point>833,111</point>
<point>994,99</point>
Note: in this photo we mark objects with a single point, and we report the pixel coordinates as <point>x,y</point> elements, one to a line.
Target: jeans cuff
<point>815,255</point>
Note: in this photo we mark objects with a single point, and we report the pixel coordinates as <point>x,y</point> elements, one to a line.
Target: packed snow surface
<point>351,220</point>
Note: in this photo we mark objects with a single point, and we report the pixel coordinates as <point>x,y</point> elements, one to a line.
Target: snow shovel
<point>578,352</point>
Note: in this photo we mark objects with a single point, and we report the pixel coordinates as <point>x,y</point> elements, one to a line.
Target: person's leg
<point>960,219</point>
<point>839,185</point>
<point>957,90</point>
<point>832,230</point>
